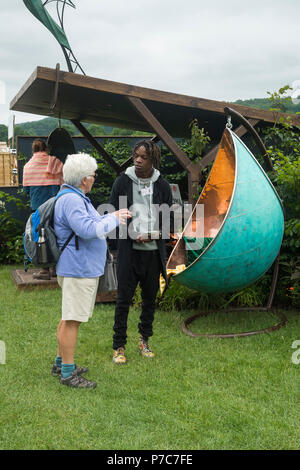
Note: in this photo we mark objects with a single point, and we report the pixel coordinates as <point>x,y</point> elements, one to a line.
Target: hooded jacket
<point>125,186</point>
<point>144,215</point>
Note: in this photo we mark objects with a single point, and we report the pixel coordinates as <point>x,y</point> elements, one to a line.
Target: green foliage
<point>11,246</point>
<point>292,235</point>
<point>96,130</point>
<point>283,146</point>
<point>273,102</point>
<point>279,99</point>
<point>20,130</point>
<point>173,171</point>
<point>288,291</point>
<point>3,133</point>
<point>70,129</point>
<point>120,151</point>
<point>287,178</point>
<point>178,297</point>
<point>199,139</point>
<point>44,127</point>
<point>11,230</point>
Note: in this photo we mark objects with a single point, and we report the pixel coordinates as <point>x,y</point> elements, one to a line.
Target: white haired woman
<point>81,262</point>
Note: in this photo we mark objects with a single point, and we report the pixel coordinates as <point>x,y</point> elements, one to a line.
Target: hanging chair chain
<point>229,123</point>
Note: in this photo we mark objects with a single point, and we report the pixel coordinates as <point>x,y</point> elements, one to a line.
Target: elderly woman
<point>82,261</point>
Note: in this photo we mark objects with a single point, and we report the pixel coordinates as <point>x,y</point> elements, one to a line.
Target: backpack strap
<point>61,193</point>
<point>68,241</point>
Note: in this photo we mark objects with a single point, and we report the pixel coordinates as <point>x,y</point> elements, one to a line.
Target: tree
<point>3,133</point>
<point>96,130</point>
<point>70,128</point>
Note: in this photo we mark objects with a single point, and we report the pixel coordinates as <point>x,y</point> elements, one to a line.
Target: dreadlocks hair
<point>152,150</point>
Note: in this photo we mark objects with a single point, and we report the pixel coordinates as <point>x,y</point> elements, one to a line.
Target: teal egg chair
<point>237,238</point>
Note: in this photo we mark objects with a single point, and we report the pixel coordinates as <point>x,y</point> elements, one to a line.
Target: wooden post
<point>193,184</point>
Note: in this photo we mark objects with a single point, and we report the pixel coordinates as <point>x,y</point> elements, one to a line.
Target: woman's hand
<point>122,215</point>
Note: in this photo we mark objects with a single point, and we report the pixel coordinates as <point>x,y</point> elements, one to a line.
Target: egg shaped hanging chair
<point>236,237</point>
<point>242,227</point>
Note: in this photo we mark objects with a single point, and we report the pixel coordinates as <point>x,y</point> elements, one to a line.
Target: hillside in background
<point>45,126</point>
<point>264,103</point>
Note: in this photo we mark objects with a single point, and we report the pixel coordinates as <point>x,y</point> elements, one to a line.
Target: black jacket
<point>161,195</point>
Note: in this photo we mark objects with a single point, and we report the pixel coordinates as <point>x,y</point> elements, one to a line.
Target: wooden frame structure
<point>80,98</point>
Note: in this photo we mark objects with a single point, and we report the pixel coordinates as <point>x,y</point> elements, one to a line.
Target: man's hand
<point>148,237</point>
<point>140,239</point>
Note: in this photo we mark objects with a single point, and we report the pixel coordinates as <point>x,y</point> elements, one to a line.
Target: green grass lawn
<point>197,393</point>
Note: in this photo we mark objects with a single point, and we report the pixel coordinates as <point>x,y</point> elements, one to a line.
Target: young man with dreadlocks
<point>141,257</point>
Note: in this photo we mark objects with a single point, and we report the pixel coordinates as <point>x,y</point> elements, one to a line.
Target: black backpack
<point>43,217</point>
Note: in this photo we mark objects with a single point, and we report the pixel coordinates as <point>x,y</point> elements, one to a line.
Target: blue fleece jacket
<point>75,212</point>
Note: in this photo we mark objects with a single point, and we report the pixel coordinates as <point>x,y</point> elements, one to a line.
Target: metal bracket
<point>250,128</point>
<point>56,88</point>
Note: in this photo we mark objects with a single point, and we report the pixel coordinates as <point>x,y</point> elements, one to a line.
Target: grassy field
<point>197,393</point>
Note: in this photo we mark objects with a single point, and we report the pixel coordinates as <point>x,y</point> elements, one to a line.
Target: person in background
<point>142,259</point>
<point>81,263</point>
<point>42,178</point>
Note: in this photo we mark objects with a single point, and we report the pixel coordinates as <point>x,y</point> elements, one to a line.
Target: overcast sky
<point>222,50</point>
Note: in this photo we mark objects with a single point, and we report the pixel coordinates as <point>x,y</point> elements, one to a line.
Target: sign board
<point>176,194</point>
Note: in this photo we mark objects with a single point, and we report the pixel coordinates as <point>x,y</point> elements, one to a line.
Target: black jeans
<point>145,269</point>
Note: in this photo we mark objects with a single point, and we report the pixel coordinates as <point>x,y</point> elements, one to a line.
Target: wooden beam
<point>80,81</point>
<point>193,169</point>
<point>108,158</point>
<point>146,114</point>
<point>126,164</point>
<point>33,77</point>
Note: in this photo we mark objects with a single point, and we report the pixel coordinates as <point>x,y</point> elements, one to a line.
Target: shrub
<point>11,231</point>
<point>283,141</point>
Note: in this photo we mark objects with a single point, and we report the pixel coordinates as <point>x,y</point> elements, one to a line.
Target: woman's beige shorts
<point>78,297</point>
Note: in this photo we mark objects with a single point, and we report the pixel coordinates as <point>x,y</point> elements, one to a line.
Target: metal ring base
<point>189,320</point>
